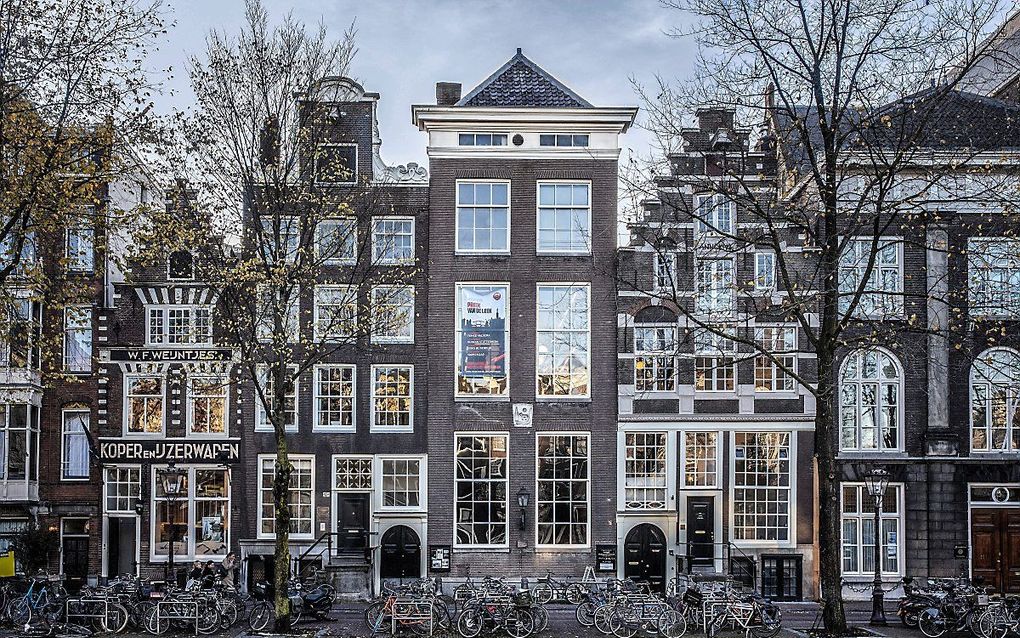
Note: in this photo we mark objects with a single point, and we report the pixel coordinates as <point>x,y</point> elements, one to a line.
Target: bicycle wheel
<point>208,618</point>
<point>229,613</point>
<point>671,623</point>
<point>574,593</point>
<point>519,623</point>
<point>623,623</point>
<point>585,613</point>
<point>600,619</point>
<point>260,616</point>
<point>931,623</point>
<point>469,623</point>
<point>116,618</point>
<point>543,593</point>
<point>441,618</point>
<point>771,622</point>
<point>19,611</point>
<point>424,627</point>
<point>153,624</point>
<point>541,616</point>
<point>373,616</point>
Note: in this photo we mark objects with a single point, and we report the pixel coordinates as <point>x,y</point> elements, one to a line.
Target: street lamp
<point>522,501</point>
<point>172,480</point>
<point>876,481</point>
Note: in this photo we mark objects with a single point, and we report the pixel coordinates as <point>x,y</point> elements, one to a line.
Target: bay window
<point>480,489</point>
<point>482,341</point>
<point>858,524</point>
<point>645,470</point>
<point>300,499</point>
<point>23,326</point>
<point>563,480</point>
<point>562,360</point>
<point>19,442</point>
<point>564,218</point>
<point>761,493</point>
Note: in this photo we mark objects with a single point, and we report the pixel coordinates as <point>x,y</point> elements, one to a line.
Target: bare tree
<point>280,224</point>
<point>860,139</point>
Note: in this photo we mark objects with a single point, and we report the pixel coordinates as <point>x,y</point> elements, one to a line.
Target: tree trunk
<point>830,567</point>
<point>281,504</point>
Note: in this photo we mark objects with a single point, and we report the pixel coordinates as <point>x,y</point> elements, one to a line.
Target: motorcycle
<point>315,602</point>
<point>913,602</point>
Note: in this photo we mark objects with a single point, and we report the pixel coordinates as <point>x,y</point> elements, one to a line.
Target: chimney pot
<point>447,93</point>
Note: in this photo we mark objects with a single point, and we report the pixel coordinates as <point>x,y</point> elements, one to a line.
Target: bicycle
<point>752,613</point>
<point>44,597</point>
<point>549,588</point>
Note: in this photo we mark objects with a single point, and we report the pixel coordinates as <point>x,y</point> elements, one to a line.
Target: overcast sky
<point>405,47</point>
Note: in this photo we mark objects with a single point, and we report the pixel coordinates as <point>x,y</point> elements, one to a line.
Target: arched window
<point>994,398</point>
<point>870,390</point>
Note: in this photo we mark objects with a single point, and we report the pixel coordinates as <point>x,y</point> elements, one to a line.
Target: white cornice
<point>510,152</point>
<point>610,118</point>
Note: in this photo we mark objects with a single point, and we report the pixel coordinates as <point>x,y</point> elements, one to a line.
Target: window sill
<point>378,430</point>
<point>482,549</point>
<point>481,253</point>
<point>480,399</point>
<point>343,430</point>
<point>566,399</point>
<point>562,549</point>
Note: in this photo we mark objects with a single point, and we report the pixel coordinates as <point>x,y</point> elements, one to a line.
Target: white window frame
<point>657,355</point>
<point>474,138</point>
<point>362,460</point>
<point>422,482</point>
<point>665,263</point>
<point>379,260</point>
<point>333,331</point>
<point>164,311</point>
<point>373,426</point>
<point>506,436</point>
<point>631,481</point>
<point>264,318</point>
<point>572,479</point>
<point>224,383</point>
<point>90,256</point>
<point>761,360</point>
<point>791,515</point>
<point>586,249</point>
<point>290,233</point>
<point>458,287</point>
<point>894,490</point>
<point>262,458</point>
<point>888,304</point>
<point>719,355</point>
<point>707,222</point>
<point>715,287</point>
<point>1004,301</point>
<point>316,396</point>
<point>85,312</point>
<point>557,138</point>
<point>262,422</point>
<point>191,499</point>
<point>684,450</point>
<point>765,271</point>
<point>350,236</point>
<point>460,250</point>
<point>127,405</point>
<point>64,434</point>
<point>378,333</point>
<point>32,430</point>
<point>538,331</point>
<point>1012,388</point>
<point>859,380</point>
<point>354,169</point>
<point>133,486</point>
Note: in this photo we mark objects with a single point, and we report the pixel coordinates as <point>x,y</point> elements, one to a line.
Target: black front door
<point>401,553</point>
<point>645,556</point>
<point>120,546</point>
<point>701,528</point>
<point>75,556</point>
<point>352,522</point>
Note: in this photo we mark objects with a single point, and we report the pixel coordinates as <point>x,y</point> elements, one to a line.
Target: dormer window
<point>181,266</point>
<point>336,164</point>
<point>482,139</point>
<point>561,139</point>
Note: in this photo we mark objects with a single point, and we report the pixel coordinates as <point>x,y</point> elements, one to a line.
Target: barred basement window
<point>400,482</point>
<point>352,473</point>
<point>480,484</point>
<point>562,502</point>
<point>645,471</point>
<point>655,359</point>
<point>761,486</point>
<point>781,343</point>
<point>858,517</point>
<point>700,459</point>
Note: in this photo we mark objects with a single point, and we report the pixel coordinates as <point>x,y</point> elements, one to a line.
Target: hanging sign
<point>483,331</point>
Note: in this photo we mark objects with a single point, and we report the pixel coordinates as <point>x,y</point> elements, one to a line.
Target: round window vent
<point>518,139</point>
<point>1000,494</point>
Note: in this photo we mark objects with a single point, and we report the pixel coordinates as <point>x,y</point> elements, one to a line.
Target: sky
<point>596,47</point>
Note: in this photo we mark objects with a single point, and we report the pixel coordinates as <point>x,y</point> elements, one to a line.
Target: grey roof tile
<point>522,83</point>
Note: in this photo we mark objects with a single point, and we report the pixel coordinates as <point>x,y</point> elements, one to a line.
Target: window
<point>483,340</point>
<point>207,404</point>
<point>143,404</point>
<point>714,287</point>
<point>289,305</point>
<point>882,291</point>
<point>564,218</point>
<point>714,214</point>
<point>280,238</point>
<point>483,217</point>
<point>562,139</point>
<point>480,486</point>
<point>336,163</point>
<point>765,272</point>
<point>179,325</point>
<point>665,271</point>
<point>869,400</point>
<point>781,343</point>
<point>995,401</point>
<point>563,341</point>
<point>336,312</point>
<point>352,473</point>
<point>262,409</point>
<point>78,339</point>
<point>701,454</point>
<point>392,240</point>
<point>180,266</point>
<point>761,486</point>
<point>123,489</point>
<point>74,463</point>
<point>715,367</point>
<point>645,471</point>
<point>562,502</point>
<point>393,314</point>
<point>401,482</point>
<point>994,274</point>
<point>334,398</point>
<point>204,513</point>
<point>79,250</point>
<point>26,259</point>
<point>301,496</point>
<point>858,520</point>
<point>655,359</point>
<point>20,348</point>
<point>392,407</point>
<point>19,442</point>
<point>482,139</point>
<point>336,241</point>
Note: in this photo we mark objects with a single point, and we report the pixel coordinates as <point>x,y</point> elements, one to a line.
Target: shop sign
<point>154,355</point>
<point>166,451</point>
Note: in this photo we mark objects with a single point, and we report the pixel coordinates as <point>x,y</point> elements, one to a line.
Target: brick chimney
<point>447,93</point>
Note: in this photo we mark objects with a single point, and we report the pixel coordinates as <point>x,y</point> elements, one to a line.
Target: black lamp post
<point>876,481</point>
<point>522,501</point>
<point>172,480</point>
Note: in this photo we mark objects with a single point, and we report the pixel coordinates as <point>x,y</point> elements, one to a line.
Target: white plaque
<point>522,415</point>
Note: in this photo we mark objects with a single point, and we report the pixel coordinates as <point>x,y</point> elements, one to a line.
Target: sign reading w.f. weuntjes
<point>178,451</point>
<point>142,355</point>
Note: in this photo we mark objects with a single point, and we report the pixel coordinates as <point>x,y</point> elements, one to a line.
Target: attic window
<point>181,265</point>
<point>561,139</point>
<point>336,163</point>
<point>482,139</point>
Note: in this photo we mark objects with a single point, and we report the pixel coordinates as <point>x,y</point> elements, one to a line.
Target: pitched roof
<point>522,83</point>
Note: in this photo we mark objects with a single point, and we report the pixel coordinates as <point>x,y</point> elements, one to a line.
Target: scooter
<point>913,602</point>
<point>314,602</point>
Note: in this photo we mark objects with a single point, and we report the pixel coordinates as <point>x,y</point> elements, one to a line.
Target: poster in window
<point>482,323</point>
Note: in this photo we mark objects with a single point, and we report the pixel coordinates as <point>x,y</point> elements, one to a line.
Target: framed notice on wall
<point>439,558</point>
<point>605,558</point>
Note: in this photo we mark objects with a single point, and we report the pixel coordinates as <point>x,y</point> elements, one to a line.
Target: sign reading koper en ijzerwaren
<point>178,451</point>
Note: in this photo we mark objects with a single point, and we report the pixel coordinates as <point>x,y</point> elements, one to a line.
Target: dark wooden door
<point>401,553</point>
<point>352,521</point>
<point>75,557</point>
<point>645,556</point>
<point>995,548</point>
<point>701,528</point>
